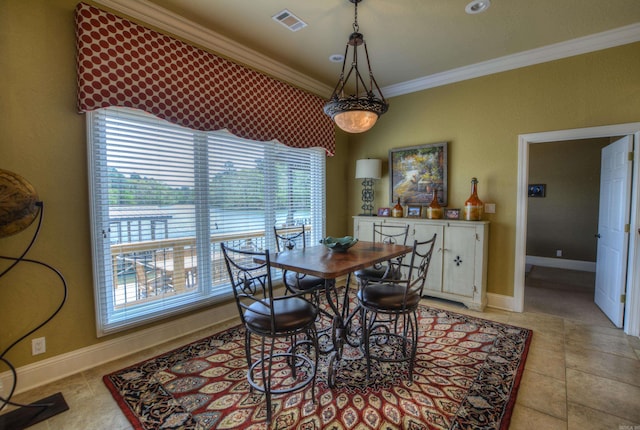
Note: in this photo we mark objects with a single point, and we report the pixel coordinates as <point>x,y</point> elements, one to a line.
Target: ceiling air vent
<point>289,20</point>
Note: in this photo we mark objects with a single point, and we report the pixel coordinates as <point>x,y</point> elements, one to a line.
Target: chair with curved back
<point>388,311</point>
<point>288,319</point>
<point>289,238</point>
<point>395,234</point>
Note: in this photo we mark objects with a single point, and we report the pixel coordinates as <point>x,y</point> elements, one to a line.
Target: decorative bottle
<point>397,211</point>
<point>434,210</point>
<point>473,207</point>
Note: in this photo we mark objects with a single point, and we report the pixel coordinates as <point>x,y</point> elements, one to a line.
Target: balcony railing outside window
<point>164,197</point>
<point>152,270</point>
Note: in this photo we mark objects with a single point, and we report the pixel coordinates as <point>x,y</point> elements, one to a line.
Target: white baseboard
<point>561,263</point>
<point>61,366</point>
<point>499,301</point>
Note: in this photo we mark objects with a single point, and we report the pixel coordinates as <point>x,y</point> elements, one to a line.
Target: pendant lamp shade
<point>359,111</point>
<point>356,121</point>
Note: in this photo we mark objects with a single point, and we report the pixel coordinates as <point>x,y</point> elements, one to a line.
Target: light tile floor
<point>577,376</point>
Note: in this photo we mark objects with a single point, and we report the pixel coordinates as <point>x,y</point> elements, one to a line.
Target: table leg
<point>339,330</point>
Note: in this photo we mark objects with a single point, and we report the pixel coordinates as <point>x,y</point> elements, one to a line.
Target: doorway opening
<point>632,305</point>
<point>565,293</point>
<point>562,225</point>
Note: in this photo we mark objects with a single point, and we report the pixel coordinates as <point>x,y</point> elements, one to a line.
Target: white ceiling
<point>410,42</point>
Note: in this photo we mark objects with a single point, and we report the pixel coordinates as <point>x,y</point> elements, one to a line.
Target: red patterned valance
<point>121,63</point>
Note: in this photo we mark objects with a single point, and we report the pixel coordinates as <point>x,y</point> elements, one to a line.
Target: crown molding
<point>161,18</point>
<point>582,45</point>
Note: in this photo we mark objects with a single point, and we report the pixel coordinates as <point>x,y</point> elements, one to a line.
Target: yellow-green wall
<point>43,139</point>
<point>482,118</point>
<point>566,218</point>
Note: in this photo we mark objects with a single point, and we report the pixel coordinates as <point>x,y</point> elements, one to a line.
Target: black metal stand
<point>33,413</point>
<point>367,196</point>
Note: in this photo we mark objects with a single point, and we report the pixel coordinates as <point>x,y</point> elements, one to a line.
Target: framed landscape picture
<point>417,171</point>
<point>414,211</point>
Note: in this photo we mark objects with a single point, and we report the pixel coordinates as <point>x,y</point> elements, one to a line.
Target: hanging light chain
<point>356,28</point>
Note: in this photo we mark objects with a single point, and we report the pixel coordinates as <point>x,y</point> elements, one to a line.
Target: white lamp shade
<point>368,168</point>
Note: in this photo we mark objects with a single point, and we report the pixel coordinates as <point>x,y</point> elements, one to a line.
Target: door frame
<point>632,305</point>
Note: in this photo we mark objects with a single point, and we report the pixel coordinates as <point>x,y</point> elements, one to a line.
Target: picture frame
<point>414,211</point>
<point>537,190</point>
<point>384,212</point>
<point>416,171</point>
<point>452,214</point>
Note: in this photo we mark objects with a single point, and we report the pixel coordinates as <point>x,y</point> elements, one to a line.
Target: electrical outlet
<point>558,252</point>
<point>38,346</point>
<point>490,208</point>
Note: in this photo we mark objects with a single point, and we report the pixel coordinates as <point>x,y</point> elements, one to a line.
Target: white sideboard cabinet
<point>458,269</point>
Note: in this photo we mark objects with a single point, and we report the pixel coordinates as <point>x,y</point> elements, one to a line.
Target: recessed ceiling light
<point>477,6</point>
<point>336,58</point>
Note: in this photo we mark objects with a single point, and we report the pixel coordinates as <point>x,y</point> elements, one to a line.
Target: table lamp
<point>368,170</point>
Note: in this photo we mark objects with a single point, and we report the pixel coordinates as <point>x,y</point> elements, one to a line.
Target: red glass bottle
<point>397,211</point>
<point>434,210</point>
<point>473,207</point>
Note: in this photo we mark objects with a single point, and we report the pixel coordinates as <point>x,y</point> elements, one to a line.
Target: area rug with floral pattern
<point>466,376</point>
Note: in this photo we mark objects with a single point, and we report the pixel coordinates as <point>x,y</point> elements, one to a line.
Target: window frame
<point>110,319</point>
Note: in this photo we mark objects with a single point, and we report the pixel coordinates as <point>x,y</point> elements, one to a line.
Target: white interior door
<point>613,234</point>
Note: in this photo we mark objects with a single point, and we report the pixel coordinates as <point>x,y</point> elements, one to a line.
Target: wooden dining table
<point>330,265</point>
<point>324,263</point>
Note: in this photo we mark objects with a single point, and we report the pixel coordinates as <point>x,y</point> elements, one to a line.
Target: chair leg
<point>247,347</point>
<point>292,358</point>
<point>316,348</point>
<point>263,365</point>
<point>266,376</point>
<point>366,336</point>
<point>400,328</point>
<point>413,318</point>
<point>247,352</point>
<point>406,328</point>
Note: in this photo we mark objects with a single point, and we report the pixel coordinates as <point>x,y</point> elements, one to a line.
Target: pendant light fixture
<point>359,111</point>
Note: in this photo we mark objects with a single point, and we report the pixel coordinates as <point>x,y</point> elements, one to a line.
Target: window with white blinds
<point>164,197</point>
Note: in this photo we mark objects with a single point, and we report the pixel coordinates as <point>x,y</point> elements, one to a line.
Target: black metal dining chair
<point>289,319</point>
<point>290,238</point>
<point>388,311</point>
<point>394,234</point>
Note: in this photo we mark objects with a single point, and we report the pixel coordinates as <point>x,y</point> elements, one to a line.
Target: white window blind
<point>164,197</point>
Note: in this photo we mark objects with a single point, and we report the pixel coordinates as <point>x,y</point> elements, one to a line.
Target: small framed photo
<point>452,213</point>
<point>414,211</point>
<point>537,190</point>
<point>384,211</point>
